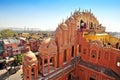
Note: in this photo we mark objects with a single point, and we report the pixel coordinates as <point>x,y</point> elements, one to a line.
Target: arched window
<point>118,61</point>
<point>79,48</point>
<point>93,53</point>
<point>92,78</point>
<point>72,54</point>
<point>118,64</point>
<point>91,25</point>
<point>45,61</point>
<point>69,77</point>
<point>65,55</point>
<point>81,23</point>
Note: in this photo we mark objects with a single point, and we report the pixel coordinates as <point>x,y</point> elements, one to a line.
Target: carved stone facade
<point>47,56</point>
<point>30,66</point>
<point>70,56</point>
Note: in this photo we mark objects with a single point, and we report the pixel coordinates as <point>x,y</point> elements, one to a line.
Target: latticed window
<point>93,53</point>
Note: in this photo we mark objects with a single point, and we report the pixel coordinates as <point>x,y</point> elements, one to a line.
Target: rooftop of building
<point>100,69</point>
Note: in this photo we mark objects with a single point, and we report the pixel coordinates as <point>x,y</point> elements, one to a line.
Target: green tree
<point>7,33</point>
<point>18,60</point>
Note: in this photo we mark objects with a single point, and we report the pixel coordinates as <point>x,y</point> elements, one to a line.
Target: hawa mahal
<point>79,50</point>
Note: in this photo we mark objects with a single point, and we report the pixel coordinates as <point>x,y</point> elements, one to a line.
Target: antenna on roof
<point>79,9</point>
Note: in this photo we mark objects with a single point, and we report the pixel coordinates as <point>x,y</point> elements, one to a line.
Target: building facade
<point>72,55</point>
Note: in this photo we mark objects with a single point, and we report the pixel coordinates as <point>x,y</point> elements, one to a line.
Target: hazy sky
<point>47,14</point>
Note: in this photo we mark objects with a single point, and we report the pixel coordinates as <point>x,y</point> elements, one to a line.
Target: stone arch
<point>70,77</point>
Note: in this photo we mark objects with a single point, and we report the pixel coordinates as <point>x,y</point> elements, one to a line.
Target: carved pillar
<point>60,58</point>
<point>29,77</point>
<point>42,64</point>
<point>39,63</point>
<point>75,50</point>
<point>48,64</point>
<point>24,73</point>
<point>69,54</point>
<point>36,72</point>
<point>55,62</point>
<point>27,73</point>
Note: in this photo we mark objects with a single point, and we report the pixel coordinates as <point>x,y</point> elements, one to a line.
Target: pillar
<point>36,72</point>
<point>48,64</point>
<point>55,62</point>
<point>42,64</point>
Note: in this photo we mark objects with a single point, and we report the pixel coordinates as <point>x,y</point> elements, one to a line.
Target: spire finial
<point>62,20</point>
<point>71,13</point>
<point>90,10</point>
<point>67,17</point>
<point>79,9</point>
<point>83,10</point>
<point>75,10</point>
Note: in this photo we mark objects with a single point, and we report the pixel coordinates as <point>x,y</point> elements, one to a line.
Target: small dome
<point>64,26</point>
<point>31,55</point>
<point>97,42</point>
<point>47,40</point>
<point>71,18</point>
<point>29,58</point>
<point>58,30</point>
<point>48,48</point>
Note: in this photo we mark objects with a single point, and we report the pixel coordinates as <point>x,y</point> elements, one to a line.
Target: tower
<point>30,66</point>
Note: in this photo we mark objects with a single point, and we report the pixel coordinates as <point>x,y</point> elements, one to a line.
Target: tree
<point>7,33</point>
<point>18,60</point>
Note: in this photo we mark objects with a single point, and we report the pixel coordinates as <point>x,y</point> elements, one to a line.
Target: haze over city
<point>47,14</point>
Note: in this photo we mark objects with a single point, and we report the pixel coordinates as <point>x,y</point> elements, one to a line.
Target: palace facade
<point>80,50</point>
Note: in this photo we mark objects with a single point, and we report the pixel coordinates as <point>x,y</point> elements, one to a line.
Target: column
<point>55,62</point>
<point>29,73</point>
<point>69,54</point>
<point>48,64</point>
<point>36,72</point>
<point>75,50</point>
<point>42,64</point>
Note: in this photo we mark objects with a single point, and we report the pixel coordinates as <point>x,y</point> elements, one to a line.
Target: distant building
<point>1,49</point>
<point>11,47</point>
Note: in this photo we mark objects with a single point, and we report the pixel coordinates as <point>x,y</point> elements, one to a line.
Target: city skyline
<point>47,14</point>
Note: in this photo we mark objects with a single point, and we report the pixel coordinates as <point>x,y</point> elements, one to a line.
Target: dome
<point>64,26</point>
<point>58,30</point>
<point>30,54</point>
<point>47,40</point>
<point>97,42</point>
<point>71,18</point>
<point>48,47</point>
<point>29,58</point>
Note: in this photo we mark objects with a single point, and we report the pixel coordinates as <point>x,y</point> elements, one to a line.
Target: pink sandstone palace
<point>79,50</point>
